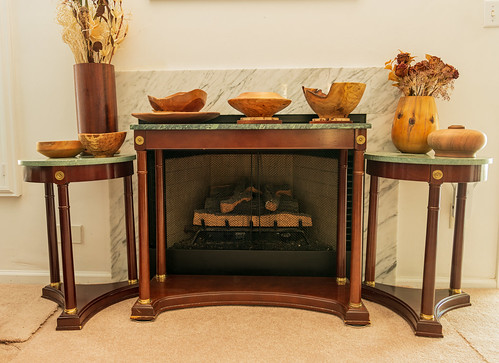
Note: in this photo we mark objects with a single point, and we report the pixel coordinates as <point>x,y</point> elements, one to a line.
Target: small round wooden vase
<point>415,118</point>
<point>95,91</point>
<point>457,142</point>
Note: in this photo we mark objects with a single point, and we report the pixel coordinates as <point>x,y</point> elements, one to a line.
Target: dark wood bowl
<point>192,101</point>
<point>59,149</point>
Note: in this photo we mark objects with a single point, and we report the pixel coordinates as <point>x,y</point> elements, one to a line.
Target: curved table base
<point>321,294</point>
<point>406,302</point>
<point>91,299</point>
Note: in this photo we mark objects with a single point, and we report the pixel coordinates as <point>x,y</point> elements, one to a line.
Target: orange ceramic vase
<point>416,117</point>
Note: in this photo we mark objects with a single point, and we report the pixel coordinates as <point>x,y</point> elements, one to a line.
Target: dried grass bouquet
<point>429,77</point>
<point>93,29</point>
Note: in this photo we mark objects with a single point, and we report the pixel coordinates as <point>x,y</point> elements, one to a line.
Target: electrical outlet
<point>490,13</point>
<point>76,234</point>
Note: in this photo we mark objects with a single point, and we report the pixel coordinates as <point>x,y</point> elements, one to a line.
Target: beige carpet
<point>22,311</point>
<point>261,334</point>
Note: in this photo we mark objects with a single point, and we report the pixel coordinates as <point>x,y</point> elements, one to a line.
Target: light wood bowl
<point>259,104</point>
<point>338,103</point>
<point>59,149</point>
<point>102,145</point>
<point>192,101</point>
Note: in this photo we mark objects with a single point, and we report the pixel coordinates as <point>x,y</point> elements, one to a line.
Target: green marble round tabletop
<point>77,161</point>
<point>424,159</point>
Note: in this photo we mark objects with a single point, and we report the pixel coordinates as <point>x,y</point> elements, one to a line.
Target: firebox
<point>249,213</point>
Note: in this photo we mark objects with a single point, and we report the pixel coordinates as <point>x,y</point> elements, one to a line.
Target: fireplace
<point>249,213</point>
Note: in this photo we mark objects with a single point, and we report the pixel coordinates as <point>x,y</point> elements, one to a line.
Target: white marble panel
<point>379,103</point>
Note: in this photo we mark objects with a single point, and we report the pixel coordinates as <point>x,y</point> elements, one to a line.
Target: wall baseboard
<point>42,277</point>
<point>443,283</point>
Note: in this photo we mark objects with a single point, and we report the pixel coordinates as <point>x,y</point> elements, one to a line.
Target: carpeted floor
<point>263,334</point>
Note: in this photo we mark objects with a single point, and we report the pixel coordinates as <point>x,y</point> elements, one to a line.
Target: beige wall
<point>260,34</point>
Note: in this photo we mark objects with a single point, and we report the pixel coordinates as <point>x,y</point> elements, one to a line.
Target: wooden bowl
<point>338,103</point>
<point>59,149</point>
<point>457,142</point>
<point>192,101</point>
<point>102,145</point>
<point>259,104</point>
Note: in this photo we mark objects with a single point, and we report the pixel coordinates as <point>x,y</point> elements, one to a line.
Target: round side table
<point>422,308</point>
<point>80,302</point>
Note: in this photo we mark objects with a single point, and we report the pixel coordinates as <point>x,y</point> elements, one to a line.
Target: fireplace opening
<point>249,213</point>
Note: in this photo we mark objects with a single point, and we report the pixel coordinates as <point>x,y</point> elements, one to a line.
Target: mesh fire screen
<point>257,201</point>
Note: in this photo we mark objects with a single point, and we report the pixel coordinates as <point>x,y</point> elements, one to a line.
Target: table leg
<point>341,230</point>
<point>457,249</point>
<point>356,243</point>
<point>67,250</point>
<point>372,229</point>
<point>130,230</point>
<point>160,219</point>
<point>430,258</point>
<point>144,276</point>
<point>55,279</point>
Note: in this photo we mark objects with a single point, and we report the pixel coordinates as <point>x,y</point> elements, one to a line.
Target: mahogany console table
<point>422,308</point>
<point>326,294</point>
<point>82,301</point>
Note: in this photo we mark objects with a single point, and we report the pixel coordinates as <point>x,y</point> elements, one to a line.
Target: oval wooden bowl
<point>59,149</point>
<point>192,101</point>
<point>259,104</point>
<point>340,101</point>
<point>102,145</point>
<point>457,142</point>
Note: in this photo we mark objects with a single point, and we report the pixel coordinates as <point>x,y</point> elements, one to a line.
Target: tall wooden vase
<point>416,117</point>
<point>96,105</point>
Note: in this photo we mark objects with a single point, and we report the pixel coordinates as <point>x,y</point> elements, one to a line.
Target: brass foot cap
<point>341,280</point>
<point>427,317</point>
<point>56,285</point>
<point>133,282</point>
<point>456,291</point>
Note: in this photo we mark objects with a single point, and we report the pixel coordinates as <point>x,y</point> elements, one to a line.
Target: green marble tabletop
<point>77,161</point>
<point>424,159</point>
<point>284,126</point>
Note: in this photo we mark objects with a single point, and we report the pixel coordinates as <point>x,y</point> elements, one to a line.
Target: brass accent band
<point>139,140</point>
<point>133,282</point>
<point>355,305</point>
<point>59,175</point>
<point>341,280</point>
<point>160,278</point>
<point>427,317</point>
<point>145,301</point>
<point>456,291</point>
<point>370,283</point>
<point>438,174</point>
<point>56,285</point>
<point>70,311</point>
<point>361,139</point>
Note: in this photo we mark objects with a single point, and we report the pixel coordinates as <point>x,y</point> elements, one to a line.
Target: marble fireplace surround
<point>378,103</point>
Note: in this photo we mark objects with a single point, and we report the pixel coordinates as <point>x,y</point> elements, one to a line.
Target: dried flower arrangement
<point>429,77</point>
<point>93,29</point>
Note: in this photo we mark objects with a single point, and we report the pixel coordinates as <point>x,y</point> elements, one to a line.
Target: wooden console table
<point>165,291</point>
<point>422,308</point>
<point>82,301</point>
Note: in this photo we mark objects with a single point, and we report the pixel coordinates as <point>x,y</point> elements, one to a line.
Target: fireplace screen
<point>251,213</point>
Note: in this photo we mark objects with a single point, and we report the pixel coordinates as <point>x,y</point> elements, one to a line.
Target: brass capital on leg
<point>145,301</point>
<point>355,305</point>
<point>71,311</point>
<point>56,285</point>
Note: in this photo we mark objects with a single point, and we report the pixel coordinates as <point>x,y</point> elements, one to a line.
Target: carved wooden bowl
<point>102,145</point>
<point>338,103</point>
<point>59,149</point>
<point>259,104</point>
<point>192,101</point>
